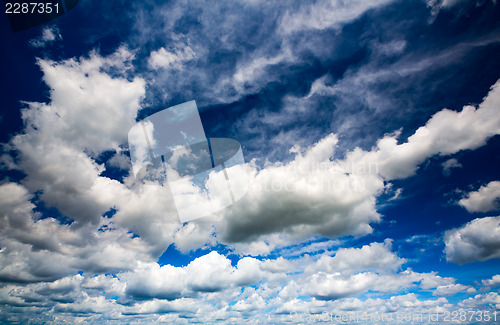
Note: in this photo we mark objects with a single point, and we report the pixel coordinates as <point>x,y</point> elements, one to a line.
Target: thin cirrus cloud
<point>478,240</point>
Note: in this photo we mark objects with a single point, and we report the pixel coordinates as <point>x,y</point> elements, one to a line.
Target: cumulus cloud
<point>452,289</point>
<point>94,102</point>
<point>478,240</point>
<point>494,281</point>
<point>396,306</point>
<point>353,271</point>
<point>339,195</point>
<point>487,198</point>
<point>331,286</point>
<point>90,112</point>
<point>210,288</point>
<point>209,273</point>
<point>376,256</point>
<point>447,132</point>
<point>93,105</point>
<point>103,268</point>
<point>313,194</point>
<point>438,5</point>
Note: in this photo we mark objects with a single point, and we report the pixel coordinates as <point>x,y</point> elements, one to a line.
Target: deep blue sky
<point>78,238</point>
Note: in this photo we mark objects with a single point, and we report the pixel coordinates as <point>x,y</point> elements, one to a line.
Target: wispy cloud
<point>49,35</point>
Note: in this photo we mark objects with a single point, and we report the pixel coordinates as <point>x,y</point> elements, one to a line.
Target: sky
<point>370,133</point>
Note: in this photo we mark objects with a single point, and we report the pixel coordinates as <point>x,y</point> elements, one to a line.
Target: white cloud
<point>252,73</point>
<point>93,104</point>
<point>209,289</point>
<point>438,5</point>
<point>336,285</point>
<point>49,35</point>
<point>333,286</point>
<point>36,249</point>
<point>343,192</point>
<point>447,132</point>
<point>94,101</point>
<point>151,280</point>
<point>111,286</point>
<point>376,256</point>
<point>310,195</point>
<point>171,60</point>
<point>209,273</point>
<point>491,299</point>
<point>395,305</point>
<point>156,306</point>
<point>315,247</point>
<point>494,281</point>
<point>353,271</point>
<point>411,301</point>
<point>279,265</point>
<point>87,304</point>
<point>451,289</point>
<point>254,302</point>
<point>487,198</point>
<point>326,14</point>
<point>90,108</point>
<point>478,240</point>
<point>449,164</point>
<point>90,112</point>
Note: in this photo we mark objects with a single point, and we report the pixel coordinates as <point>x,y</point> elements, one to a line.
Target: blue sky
<point>370,131</point>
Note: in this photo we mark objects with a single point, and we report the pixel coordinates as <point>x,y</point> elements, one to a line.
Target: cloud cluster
<point>89,113</point>
<point>94,255</point>
<point>313,194</point>
<point>449,164</point>
<point>373,267</point>
<point>494,281</point>
<point>211,289</point>
<point>93,102</point>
